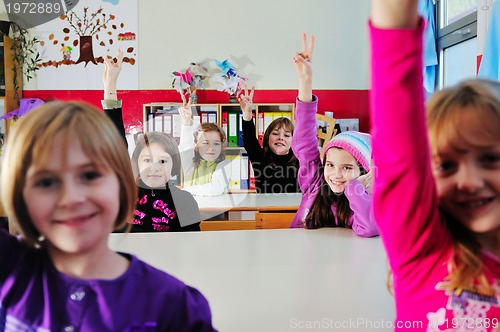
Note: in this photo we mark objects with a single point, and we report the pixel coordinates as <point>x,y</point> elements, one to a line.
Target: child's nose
<point>338,173</point>
<point>469,178</point>
<point>71,194</point>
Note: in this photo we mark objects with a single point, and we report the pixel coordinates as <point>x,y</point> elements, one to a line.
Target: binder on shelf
<point>176,127</point>
<point>150,120</point>
<point>224,123</point>
<point>268,118</point>
<point>240,129</point>
<point>244,170</point>
<point>196,120</point>
<point>260,128</point>
<point>212,117</point>
<point>167,123</point>
<point>235,171</point>
<point>251,177</point>
<point>287,115</point>
<point>158,118</point>
<point>232,129</point>
<point>204,117</point>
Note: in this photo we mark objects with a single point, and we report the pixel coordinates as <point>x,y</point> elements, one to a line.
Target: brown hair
<point>277,124</point>
<point>470,111</point>
<point>320,214</point>
<point>166,141</point>
<point>31,141</point>
<point>207,127</point>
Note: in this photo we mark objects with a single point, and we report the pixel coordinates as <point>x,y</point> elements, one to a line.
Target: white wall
<point>258,36</point>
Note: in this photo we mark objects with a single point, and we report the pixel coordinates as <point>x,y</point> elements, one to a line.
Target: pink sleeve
<point>362,220</point>
<point>404,195</point>
<point>305,143</point>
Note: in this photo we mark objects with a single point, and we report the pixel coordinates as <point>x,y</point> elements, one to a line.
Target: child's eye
<point>288,135</point>
<point>217,144</point>
<point>163,161</point>
<point>45,182</point>
<point>90,175</point>
<point>146,160</point>
<point>491,159</point>
<point>347,168</point>
<point>329,165</point>
<point>445,166</point>
<point>204,143</point>
<point>275,133</point>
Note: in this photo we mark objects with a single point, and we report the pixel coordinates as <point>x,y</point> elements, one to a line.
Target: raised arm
<point>304,141</point>
<point>110,103</point>
<point>110,75</point>
<point>386,14</point>
<point>186,142</point>
<point>404,194</point>
<point>250,141</point>
<point>304,70</point>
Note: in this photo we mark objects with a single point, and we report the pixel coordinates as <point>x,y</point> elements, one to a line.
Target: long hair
<point>277,124</point>
<point>166,141</point>
<point>320,214</point>
<point>207,127</point>
<point>31,142</point>
<point>476,102</point>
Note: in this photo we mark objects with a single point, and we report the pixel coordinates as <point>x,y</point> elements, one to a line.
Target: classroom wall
<point>259,37</point>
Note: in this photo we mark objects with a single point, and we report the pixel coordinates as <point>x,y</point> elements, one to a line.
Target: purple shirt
<point>34,296</point>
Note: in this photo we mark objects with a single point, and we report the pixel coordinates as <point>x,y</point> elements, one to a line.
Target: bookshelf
<point>164,117</point>
<point>7,101</point>
<point>227,116</point>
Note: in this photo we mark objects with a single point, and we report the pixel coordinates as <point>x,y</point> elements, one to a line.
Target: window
<point>457,40</point>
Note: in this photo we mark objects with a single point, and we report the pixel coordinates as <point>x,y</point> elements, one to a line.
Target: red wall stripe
<point>344,103</point>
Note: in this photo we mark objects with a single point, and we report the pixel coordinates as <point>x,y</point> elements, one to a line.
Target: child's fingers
<point>311,46</point>
<point>304,42</point>
<point>251,93</point>
<point>119,57</point>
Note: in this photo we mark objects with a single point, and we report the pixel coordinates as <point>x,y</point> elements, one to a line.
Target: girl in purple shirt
<point>67,183</point>
<point>334,190</point>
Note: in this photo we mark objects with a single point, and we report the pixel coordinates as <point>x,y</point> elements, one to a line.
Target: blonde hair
<point>469,111</point>
<point>32,141</point>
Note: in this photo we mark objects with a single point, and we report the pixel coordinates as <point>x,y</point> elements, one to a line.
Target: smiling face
<point>340,168</point>
<point>71,200</point>
<point>155,165</point>
<point>467,173</point>
<point>280,141</point>
<point>209,145</point>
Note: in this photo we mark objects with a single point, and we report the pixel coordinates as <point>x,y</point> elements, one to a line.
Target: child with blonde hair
<point>437,190</point>
<point>334,190</point>
<point>202,147</point>
<point>67,183</point>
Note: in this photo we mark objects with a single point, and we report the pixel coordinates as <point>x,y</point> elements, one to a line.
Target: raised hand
<point>185,111</point>
<point>366,180</point>
<point>246,102</point>
<point>394,13</point>
<point>112,69</point>
<point>303,67</point>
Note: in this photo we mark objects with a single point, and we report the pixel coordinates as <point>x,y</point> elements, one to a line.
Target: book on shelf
<point>232,129</point>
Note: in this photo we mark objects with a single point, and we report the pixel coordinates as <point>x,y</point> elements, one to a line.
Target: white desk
<point>276,280</point>
<point>250,202</point>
